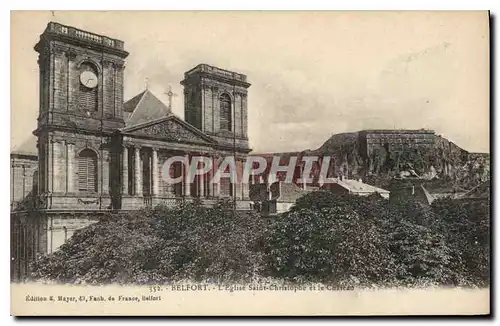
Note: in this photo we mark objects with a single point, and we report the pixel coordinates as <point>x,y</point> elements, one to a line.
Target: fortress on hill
<point>395,139</point>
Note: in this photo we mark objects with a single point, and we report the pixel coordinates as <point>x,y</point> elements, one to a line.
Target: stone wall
<point>62,164</point>
<point>27,239</point>
<point>23,180</point>
<point>36,233</point>
<point>60,227</point>
<point>394,139</point>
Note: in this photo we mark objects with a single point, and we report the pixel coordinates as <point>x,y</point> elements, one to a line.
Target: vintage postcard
<point>250,163</point>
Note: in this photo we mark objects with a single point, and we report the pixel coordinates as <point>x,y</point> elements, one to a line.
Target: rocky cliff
<point>389,154</point>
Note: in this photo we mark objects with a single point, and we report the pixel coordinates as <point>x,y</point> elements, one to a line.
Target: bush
<point>346,241</point>
<point>420,254</point>
<point>209,243</point>
<point>111,251</point>
<point>360,240</point>
<point>332,245</point>
<point>160,245</point>
<point>466,227</point>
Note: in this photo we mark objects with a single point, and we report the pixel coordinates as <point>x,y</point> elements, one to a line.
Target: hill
<point>380,155</point>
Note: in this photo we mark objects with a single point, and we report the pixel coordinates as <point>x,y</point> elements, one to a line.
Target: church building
<point>97,153</point>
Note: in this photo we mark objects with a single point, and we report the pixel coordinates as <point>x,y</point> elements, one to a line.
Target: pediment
<point>170,129</point>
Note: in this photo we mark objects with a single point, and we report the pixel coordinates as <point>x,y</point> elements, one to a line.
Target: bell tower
<point>81,79</point>
<point>215,101</point>
<point>81,105</point>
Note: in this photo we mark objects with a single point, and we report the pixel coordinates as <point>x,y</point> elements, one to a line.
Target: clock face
<point>88,79</point>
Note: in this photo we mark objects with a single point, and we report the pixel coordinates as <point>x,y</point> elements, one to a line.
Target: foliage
<point>421,254</point>
<point>185,242</point>
<point>208,243</point>
<point>369,206</point>
<point>112,250</point>
<point>465,225</point>
<point>331,244</point>
<point>325,237</point>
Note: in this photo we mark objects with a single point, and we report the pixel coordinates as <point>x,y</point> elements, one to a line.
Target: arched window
<point>87,171</point>
<point>225,112</point>
<point>87,97</point>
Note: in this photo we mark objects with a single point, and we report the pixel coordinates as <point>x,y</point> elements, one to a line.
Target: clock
<point>88,79</point>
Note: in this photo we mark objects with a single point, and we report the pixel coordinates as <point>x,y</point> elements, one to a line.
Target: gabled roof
<point>282,192</point>
<point>356,186</point>
<point>131,104</point>
<point>144,107</point>
<point>290,192</point>
<point>430,198</point>
<point>170,128</point>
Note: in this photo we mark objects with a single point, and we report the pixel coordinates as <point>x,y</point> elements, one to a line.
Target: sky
<point>313,74</point>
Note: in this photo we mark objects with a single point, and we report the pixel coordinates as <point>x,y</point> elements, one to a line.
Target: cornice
<point>48,38</point>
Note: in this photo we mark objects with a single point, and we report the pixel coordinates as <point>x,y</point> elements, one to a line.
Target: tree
<point>209,243</point>
<point>465,224</point>
<point>113,250</point>
<point>330,238</point>
<point>421,255</point>
<point>346,241</point>
<point>340,238</point>
<point>159,245</point>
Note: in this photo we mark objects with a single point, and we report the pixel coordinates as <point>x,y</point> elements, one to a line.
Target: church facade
<point>98,153</point>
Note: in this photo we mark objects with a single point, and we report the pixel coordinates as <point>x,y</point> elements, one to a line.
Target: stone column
<point>104,169</point>
<point>50,169</point>
<point>244,115</point>
<point>244,184</point>
<point>187,177</point>
<point>137,172</point>
<point>70,177</point>
<point>238,183</point>
<point>183,173</point>
<point>125,171</point>
<point>201,182</point>
<point>208,179</point>
<point>58,166</point>
<point>146,161</point>
<point>155,171</point>
<point>216,186</point>
<point>246,190</point>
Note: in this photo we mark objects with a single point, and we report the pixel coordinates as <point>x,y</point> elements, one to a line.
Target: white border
<point>181,5</point>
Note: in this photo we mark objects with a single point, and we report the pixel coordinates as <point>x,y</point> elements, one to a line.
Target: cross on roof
<point>170,94</point>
